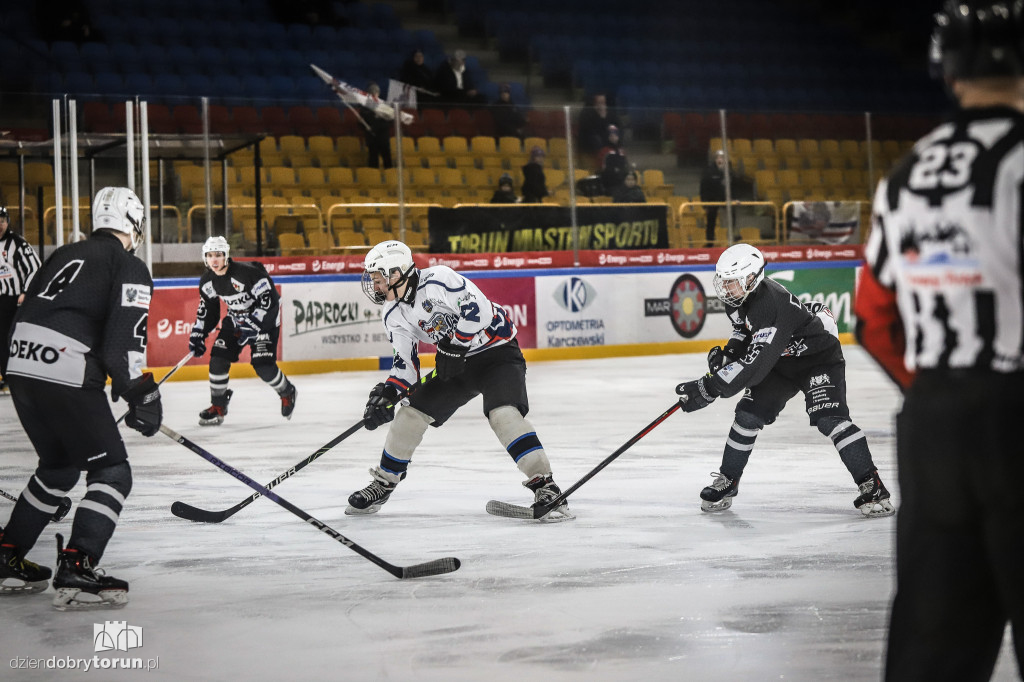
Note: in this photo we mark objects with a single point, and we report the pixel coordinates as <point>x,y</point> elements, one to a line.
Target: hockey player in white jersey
<point>778,348</point>
<point>477,353</point>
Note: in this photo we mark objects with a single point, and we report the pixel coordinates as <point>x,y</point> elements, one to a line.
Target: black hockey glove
<point>719,357</point>
<point>450,360</point>
<point>380,408</point>
<point>145,411</point>
<point>197,342</point>
<point>697,394</point>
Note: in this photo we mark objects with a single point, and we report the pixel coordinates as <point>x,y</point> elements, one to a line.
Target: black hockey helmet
<point>978,39</point>
<point>4,213</point>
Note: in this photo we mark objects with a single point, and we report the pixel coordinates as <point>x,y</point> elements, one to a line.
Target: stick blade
<point>508,510</point>
<point>436,567</point>
<point>190,513</point>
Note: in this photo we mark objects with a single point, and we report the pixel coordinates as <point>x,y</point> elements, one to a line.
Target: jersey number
<point>62,279</point>
<point>470,311</point>
<point>945,167</point>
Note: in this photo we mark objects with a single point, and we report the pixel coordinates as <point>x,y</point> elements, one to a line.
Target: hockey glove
<point>145,411</point>
<point>380,408</point>
<point>719,357</point>
<point>697,394</point>
<point>450,360</point>
<point>197,342</point>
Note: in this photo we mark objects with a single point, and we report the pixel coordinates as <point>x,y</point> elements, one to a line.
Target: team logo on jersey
<point>575,294</point>
<point>764,336</point>
<point>262,287</point>
<point>238,286</point>
<point>209,290</point>
<point>136,296</point>
<point>820,380</point>
<point>427,305</point>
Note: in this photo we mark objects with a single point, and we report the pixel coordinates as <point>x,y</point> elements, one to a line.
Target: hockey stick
<point>435,567</point>
<point>181,363</point>
<point>518,512</point>
<point>62,509</point>
<point>190,513</point>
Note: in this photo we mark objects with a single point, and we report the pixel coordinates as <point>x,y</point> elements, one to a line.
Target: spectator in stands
<point>508,119</point>
<point>505,194</point>
<point>416,73</point>
<point>377,129</point>
<point>593,125</point>
<point>712,188</point>
<point>612,162</point>
<point>454,84</point>
<point>629,192</point>
<point>535,186</point>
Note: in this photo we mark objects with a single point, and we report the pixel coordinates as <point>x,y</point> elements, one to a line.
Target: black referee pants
<point>8,307</point>
<point>960,527</point>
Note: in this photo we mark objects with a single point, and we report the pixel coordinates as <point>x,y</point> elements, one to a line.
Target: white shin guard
<point>405,434</point>
<point>509,425</point>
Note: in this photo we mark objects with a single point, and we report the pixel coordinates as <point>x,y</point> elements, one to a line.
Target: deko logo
<point>575,294</point>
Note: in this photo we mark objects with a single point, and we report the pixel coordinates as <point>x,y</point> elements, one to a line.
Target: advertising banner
<point>330,319</point>
<point>542,227</point>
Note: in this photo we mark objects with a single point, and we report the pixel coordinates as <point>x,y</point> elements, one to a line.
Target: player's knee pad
<point>749,420</point>
<point>118,477</point>
<point>406,432</point>
<point>826,425</point>
<point>58,481</point>
<point>105,495</point>
<point>266,370</point>
<point>219,365</point>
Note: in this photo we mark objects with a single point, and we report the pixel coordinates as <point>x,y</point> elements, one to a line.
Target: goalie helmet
<point>216,245</point>
<point>119,209</point>
<point>739,270</point>
<point>978,39</point>
<point>385,259</point>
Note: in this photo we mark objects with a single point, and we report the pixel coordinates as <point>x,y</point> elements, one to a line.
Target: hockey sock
<point>219,368</point>
<point>739,444</point>
<point>520,440</point>
<point>37,504</point>
<point>403,438</point>
<point>852,445</point>
<point>273,376</point>
<point>97,514</point>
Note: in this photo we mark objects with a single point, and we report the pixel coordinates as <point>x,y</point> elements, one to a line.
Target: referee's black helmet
<point>978,39</point>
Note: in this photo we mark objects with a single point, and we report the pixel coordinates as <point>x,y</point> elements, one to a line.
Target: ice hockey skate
<point>545,490</point>
<point>718,496</point>
<point>82,587</point>
<point>18,575</point>
<point>288,401</point>
<point>873,500</point>
<point>370,499</point>
<point>215,413</point>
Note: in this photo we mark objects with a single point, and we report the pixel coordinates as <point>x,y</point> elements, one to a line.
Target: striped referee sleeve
<point>26,264</point>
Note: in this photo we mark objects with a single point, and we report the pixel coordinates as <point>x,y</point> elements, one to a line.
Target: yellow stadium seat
<point>311,177</point>
<point>450,177</point>
<point>454,145</point>
<point>291,243</point>
<point>281,176</point>
<point>510,146</point>
<point>788,178</point>
<point>829,146</point>
<point>807,146</point>
<point>765,179</point>
<point>478,178</point>
<point>531,142</point>
<point>368,177</point>
<point>294,149</point>
<point>428,145</point>
<point>350,149</point>
<point>741,146</point>
<point>762,146</point>
<point>408,147</point>
<point>785,146</point>
<point>320,241</point>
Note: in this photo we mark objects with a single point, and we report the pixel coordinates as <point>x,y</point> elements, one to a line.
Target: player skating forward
<point>84,318</point>
<point>477,353</point>
<point>778,348</point>
<point>253,319</point>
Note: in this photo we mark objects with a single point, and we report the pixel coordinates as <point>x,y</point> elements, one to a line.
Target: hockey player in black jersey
<point>778,348</point>
<point>84,318</point>
<point>253,319</point>
<point>940,306</point>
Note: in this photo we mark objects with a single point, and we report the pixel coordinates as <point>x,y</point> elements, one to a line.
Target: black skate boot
<point>80,586</point>
<point>288,401</point>
<point>215,413</point>
<point>18,575</point>
<point>718,496</point>
<point>370,499</point>
<point>544,491</point>
<point>873,500</point>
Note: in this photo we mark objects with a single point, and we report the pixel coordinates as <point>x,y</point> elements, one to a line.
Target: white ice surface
<point>791,583</point>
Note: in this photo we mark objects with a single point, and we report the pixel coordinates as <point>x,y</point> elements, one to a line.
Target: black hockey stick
<point>181,363</point>
<point>190,513</point>
<point>518,512</point>
<point>435,567</point>
<point>62,509</point>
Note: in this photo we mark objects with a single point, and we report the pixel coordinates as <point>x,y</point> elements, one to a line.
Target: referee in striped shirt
<point>18,263</point>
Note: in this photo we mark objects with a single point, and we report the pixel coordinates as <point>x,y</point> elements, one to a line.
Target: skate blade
<point>11,590</point>
<point>721,505</point>
<point>215,421</point>
<point>354,511</point>
<point>557,515</point>
<point>74,599</point>
<point>877,510</point>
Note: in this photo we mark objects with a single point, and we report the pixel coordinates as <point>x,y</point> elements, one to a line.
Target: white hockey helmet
<point>119,209</point>
<point>739,270</point>
<point>216,245</point>
<point>384,259</point>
